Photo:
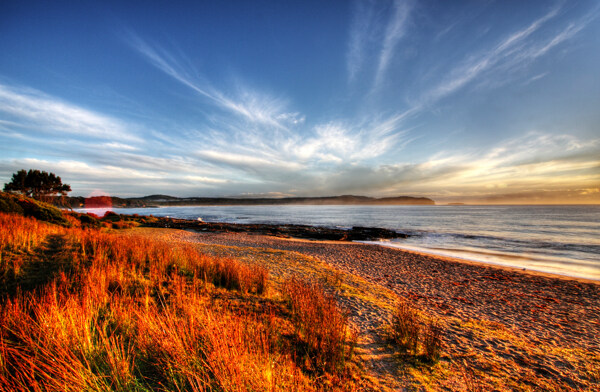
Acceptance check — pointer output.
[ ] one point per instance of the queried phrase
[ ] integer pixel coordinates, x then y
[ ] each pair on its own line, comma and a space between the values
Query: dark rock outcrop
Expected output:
289, 231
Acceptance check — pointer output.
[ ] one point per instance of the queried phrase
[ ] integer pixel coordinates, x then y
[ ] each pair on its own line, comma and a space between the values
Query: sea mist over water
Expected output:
555, 239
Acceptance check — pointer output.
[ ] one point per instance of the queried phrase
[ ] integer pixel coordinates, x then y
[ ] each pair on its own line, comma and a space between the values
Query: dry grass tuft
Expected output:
406, 327
320, 324
432, 341
414, 336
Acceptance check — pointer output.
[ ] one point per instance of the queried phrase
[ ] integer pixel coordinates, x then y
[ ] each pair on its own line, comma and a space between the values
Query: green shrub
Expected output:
26, 206
111, 216
9, 206
88, 220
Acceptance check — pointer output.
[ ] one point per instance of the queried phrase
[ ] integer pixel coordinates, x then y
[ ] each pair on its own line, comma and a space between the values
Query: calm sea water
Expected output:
557, 239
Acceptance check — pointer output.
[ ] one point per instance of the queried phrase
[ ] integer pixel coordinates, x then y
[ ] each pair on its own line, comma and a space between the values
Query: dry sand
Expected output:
509, 328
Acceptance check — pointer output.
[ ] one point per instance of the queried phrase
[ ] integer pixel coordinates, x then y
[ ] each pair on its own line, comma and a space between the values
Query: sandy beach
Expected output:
538, 330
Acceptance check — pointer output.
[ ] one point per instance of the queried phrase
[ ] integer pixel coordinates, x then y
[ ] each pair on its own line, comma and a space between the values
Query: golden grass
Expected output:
100, 311
320, 324
20, 234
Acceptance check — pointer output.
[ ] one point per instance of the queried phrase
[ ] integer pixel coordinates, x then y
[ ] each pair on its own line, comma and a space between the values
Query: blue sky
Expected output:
477, 101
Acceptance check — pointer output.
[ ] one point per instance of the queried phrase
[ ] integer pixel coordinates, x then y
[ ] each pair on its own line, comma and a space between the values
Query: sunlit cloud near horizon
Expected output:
475, 102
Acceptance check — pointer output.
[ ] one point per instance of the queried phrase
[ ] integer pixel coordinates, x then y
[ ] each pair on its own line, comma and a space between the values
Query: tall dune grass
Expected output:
57, 342
19, 234
96, 311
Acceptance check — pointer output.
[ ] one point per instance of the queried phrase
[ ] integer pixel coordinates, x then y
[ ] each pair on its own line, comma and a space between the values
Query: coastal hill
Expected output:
164, 200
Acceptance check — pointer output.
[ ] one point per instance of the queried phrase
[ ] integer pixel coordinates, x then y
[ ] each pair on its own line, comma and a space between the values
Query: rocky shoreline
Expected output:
356, 233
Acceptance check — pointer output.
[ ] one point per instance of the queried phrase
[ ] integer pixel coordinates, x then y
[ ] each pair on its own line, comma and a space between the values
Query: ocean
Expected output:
561, 240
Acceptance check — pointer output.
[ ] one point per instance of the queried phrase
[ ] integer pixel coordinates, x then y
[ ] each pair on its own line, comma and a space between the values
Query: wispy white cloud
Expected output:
246, 161
514, 52
368, 32
331, 142
395, 30
567, 33
360, 32
164, 61
328, 143
119, 146
80, 169
293, 118
253, 106
206, 180
536, 77
31, 110
519, 36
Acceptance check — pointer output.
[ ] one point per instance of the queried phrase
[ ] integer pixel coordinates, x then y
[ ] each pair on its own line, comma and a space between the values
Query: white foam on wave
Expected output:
551, 265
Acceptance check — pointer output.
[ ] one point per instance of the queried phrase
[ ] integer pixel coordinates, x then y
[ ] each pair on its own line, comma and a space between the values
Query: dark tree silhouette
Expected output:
40, 185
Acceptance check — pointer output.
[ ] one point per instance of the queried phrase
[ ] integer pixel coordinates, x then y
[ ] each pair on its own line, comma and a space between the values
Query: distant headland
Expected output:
164, 200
